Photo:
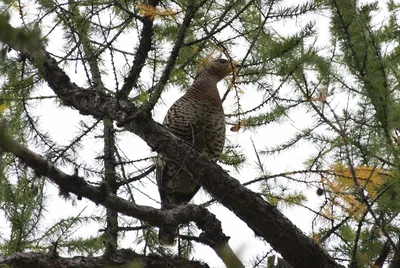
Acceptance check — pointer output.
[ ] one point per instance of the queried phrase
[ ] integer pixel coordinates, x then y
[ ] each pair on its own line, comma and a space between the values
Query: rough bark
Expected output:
140, 55
122, 258
212, 231
264, 219
283, 264
111, 232
395, 263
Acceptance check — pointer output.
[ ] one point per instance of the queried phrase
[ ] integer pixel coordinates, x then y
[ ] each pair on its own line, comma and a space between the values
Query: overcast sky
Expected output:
62, 124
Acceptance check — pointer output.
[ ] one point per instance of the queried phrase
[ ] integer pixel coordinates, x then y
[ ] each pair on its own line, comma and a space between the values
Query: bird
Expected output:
198, 119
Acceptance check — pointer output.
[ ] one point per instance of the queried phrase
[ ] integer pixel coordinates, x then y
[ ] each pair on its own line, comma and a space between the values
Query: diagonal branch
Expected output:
263, 218
380, 261
395, 262
141, 54
205, 220
158, 88
136, 178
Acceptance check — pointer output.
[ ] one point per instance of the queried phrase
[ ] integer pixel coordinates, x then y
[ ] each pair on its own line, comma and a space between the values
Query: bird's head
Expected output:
218, 68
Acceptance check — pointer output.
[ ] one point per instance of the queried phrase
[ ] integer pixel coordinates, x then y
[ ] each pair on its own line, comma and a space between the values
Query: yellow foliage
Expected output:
322, 96
208, 58
3, 106
238, 125
16, 6
317, 238
342, 186
152, 12
239, 90
327, 214
232, 82
203, 63
369, 178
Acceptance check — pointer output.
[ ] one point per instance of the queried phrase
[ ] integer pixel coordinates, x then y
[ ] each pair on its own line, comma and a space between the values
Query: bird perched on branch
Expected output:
197, 118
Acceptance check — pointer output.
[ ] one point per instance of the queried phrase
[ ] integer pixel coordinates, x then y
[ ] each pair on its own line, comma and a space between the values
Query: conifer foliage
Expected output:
82, 82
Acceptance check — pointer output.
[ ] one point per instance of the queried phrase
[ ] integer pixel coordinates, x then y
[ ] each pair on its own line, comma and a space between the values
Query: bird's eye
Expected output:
222, 61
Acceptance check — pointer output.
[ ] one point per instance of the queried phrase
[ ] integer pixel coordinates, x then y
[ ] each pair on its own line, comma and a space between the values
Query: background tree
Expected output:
115, 61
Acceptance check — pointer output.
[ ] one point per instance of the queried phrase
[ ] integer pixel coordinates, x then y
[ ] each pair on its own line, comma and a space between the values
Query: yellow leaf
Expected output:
16, 6
368, 177
203, 63
238, 125
322, 95
342, 184
317, 238
152, 12
3, 106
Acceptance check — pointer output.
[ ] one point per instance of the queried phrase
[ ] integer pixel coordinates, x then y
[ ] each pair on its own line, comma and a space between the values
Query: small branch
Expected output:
334, 229
286, 174
207, 222
396, 258
119, 163
354, 260
158, 88
136, 178
77, 185
216, 30
263, 218
140, 56
380, 261
126, 228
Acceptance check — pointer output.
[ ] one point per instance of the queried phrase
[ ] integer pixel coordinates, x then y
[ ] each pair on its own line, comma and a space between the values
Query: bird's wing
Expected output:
176, 185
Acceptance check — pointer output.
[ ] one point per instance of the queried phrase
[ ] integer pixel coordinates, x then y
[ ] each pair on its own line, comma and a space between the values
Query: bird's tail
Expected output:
167, 235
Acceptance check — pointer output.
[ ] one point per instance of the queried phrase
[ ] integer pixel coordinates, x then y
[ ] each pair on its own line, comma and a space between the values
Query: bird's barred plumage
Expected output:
197, 118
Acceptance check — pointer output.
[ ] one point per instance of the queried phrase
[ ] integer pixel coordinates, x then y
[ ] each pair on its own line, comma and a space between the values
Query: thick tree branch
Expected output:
122, 258
263, 218
206, 221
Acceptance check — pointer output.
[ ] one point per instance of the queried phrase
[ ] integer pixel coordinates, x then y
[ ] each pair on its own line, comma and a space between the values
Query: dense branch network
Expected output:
265, 220
262, 217
212, 235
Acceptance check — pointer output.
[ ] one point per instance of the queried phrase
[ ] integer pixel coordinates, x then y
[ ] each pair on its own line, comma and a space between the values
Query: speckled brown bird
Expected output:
197, 118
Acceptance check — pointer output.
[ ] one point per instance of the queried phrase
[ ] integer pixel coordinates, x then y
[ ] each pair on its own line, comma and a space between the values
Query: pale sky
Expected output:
62, 123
